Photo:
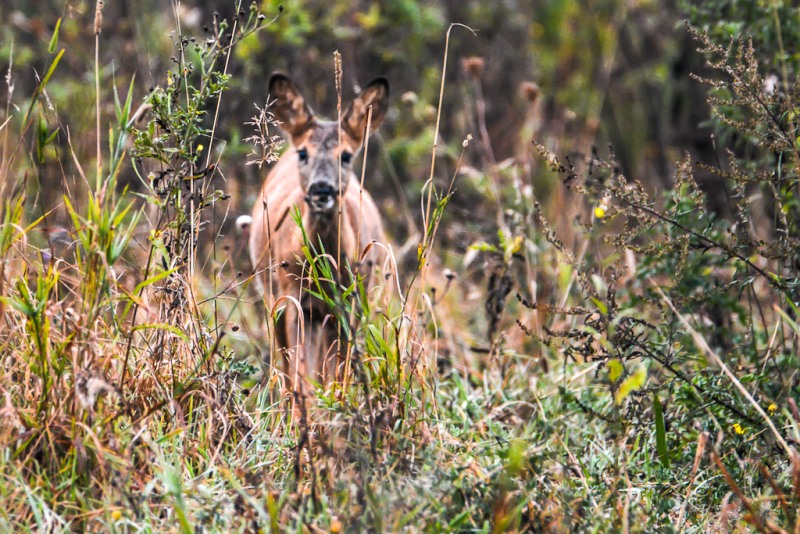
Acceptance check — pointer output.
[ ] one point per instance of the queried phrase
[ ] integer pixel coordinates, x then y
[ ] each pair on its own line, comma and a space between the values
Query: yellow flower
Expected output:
772, 408
600, 211
737, 428
116, 514
200, 148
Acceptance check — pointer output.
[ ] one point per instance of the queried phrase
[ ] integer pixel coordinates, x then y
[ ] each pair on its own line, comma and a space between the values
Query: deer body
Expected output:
342, 218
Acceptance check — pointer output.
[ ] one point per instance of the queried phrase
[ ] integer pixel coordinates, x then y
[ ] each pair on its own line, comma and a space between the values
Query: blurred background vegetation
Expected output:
609, 73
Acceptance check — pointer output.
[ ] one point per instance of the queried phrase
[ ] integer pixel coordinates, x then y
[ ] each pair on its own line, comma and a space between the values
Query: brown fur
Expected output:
310, 347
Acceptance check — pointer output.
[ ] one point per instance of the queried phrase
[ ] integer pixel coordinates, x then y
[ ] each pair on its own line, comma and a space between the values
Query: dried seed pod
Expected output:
473, 66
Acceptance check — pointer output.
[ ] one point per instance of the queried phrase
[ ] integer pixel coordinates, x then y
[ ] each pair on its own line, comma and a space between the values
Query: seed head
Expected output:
473, 66
337, 69
98, 17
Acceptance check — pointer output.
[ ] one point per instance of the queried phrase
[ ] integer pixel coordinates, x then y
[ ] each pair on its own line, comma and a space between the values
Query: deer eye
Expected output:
302, 153
347, 157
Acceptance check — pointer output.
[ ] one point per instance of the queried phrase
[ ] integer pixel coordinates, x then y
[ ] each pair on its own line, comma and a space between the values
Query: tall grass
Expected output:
644, 379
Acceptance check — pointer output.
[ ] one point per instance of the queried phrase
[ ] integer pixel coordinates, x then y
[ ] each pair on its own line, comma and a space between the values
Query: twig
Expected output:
710, 242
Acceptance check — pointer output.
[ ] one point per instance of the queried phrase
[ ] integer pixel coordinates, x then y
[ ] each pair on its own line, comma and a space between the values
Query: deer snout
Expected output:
321, 197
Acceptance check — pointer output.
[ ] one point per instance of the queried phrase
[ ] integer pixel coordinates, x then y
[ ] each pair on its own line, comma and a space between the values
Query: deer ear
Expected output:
375, 96
290, 107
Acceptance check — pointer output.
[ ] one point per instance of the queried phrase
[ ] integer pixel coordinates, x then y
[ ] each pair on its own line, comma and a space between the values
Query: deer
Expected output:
314, 176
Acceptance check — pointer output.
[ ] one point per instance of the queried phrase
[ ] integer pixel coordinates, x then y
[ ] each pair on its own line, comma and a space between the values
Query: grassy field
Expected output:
552, 346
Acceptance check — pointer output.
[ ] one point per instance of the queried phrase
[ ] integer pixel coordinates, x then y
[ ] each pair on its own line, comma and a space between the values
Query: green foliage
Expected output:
771, 24
732, 285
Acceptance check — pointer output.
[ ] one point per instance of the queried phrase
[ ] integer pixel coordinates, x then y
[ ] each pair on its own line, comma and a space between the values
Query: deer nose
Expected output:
321, 197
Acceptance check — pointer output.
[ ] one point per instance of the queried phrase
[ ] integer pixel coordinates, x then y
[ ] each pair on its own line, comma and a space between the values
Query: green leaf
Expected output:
513, 247
631, 384
76, 221
54, 39
791, 322
371, 19
43, 83
661, 433
163, 326
615, 370
564, 276
515, 461
483, 246
21, 307
119, 214
51, 137
153, 279
601, 307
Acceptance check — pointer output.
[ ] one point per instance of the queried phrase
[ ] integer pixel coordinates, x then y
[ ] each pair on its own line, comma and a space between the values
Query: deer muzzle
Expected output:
321, 198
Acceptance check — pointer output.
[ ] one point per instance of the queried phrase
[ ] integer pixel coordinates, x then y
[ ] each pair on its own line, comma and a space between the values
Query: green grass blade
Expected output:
54, 39
661, 433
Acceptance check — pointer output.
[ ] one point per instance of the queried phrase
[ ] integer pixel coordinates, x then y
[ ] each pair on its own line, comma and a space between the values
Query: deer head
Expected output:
317, 144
